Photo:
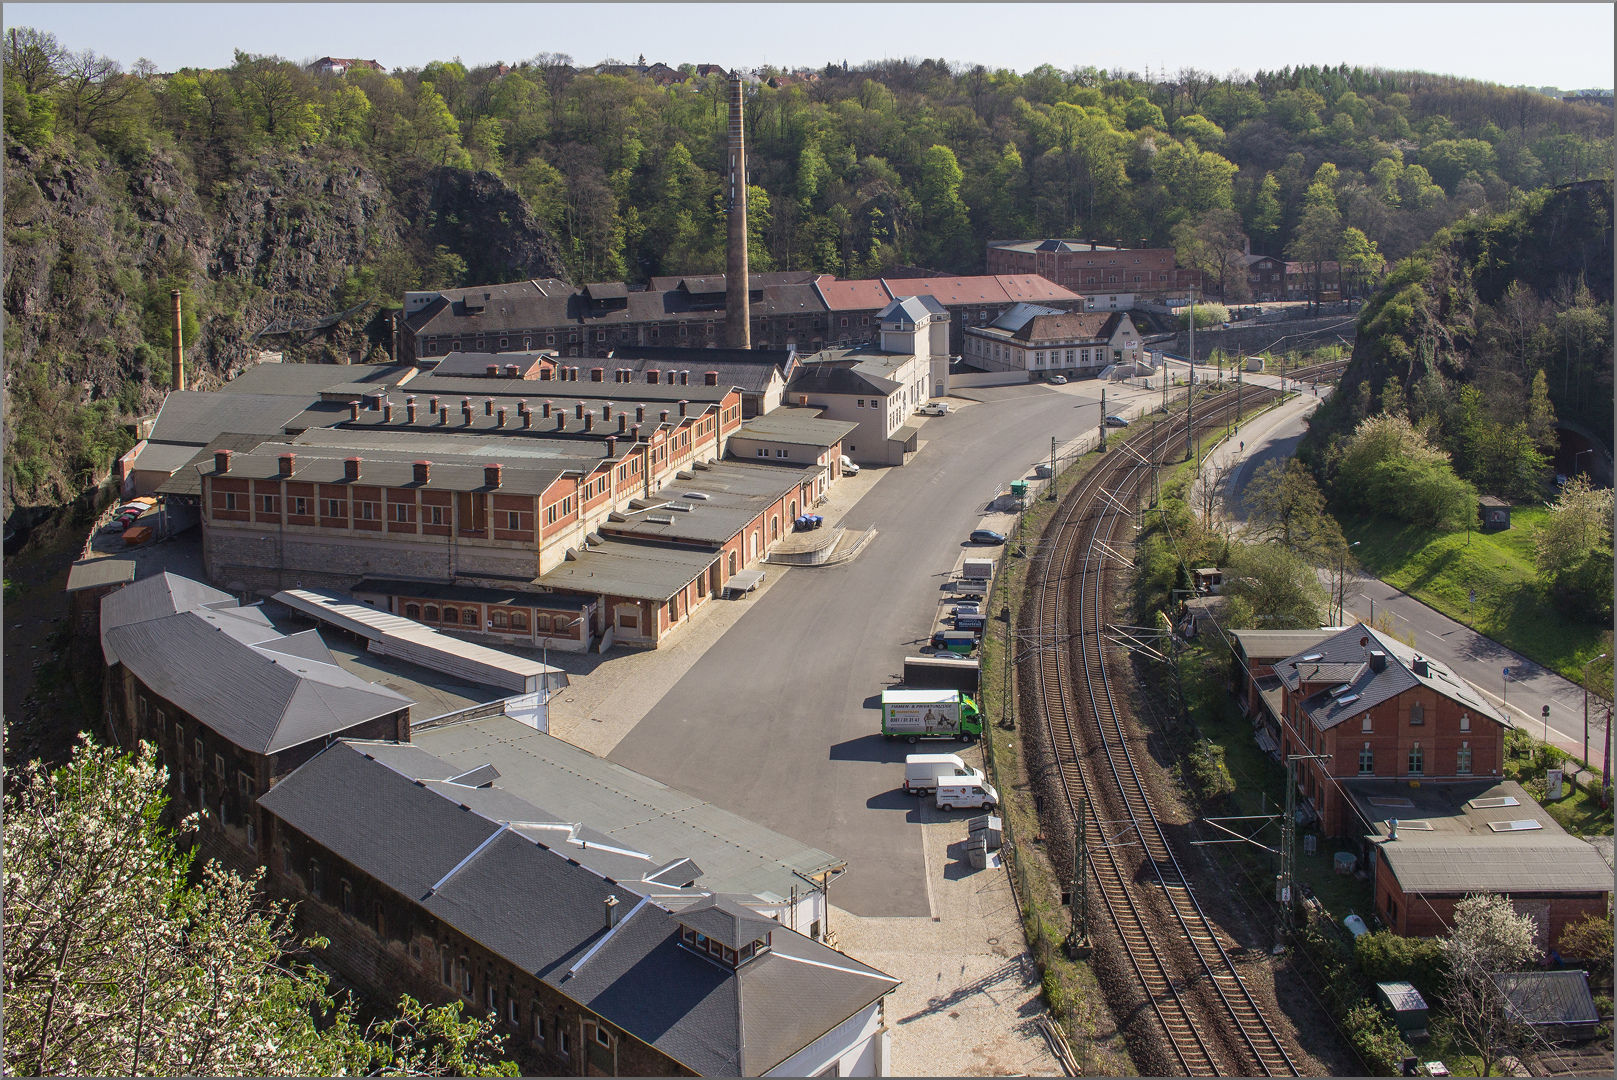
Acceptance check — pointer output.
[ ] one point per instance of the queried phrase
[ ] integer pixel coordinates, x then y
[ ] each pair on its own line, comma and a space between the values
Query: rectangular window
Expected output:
1462, 760
1364, 725
300, 506
219, 766
538, 1024
511, 1009
860, 404
1417, 760
316, 880
762, 452
468, 978
1465, 721
347, 898
1367, 761
230, 501
513, 520
446, 968
365, 511
403, 513
336, 508
780, 453
200, 757
561, 1041
269, 504
434, 515
550, 514
252, 837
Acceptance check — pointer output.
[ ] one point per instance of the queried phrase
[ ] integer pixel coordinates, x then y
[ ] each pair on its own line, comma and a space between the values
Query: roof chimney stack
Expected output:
589, 420
665, 416
387, 412
500, 417
423, 471
353, 409
640, 414
443, 415
1378, 660
221, 460
491, 475
710, 378
623, 421
409, 408
546, 412
578, 411
737, 313
683, 405
432, 405
286, 464
612, 446
597, 374
512, 371
611, 912
1422, 667
488, 406
493, 370
350, 468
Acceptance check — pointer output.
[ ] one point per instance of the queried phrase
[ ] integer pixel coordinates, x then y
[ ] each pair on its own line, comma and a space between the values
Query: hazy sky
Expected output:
1565, 45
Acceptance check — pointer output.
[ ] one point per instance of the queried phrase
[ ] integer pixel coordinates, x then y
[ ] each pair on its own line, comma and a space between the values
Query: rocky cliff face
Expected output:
93, 246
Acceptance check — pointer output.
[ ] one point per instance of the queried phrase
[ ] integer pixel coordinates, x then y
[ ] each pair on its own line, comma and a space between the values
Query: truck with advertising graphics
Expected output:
913, 715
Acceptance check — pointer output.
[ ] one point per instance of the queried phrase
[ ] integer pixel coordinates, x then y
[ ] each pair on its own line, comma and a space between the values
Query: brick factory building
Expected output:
1095, 267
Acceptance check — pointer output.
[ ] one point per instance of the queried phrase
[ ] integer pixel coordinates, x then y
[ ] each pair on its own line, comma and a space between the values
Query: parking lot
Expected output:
779, 719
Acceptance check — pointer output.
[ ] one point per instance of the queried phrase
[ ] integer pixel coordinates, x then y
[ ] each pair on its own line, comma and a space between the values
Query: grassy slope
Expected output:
1438, 569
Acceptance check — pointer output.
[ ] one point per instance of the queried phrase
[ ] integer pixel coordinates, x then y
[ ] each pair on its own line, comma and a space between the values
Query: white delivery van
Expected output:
966, 791
922, 772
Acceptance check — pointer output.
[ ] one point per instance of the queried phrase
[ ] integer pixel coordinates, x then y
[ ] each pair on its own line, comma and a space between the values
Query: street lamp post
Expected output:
1341, 583
1586, 668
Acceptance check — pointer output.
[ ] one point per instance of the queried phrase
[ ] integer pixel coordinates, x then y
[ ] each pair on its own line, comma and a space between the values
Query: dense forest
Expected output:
264, 191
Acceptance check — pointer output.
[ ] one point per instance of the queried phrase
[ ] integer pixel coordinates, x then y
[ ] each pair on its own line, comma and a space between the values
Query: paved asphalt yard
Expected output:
779, 720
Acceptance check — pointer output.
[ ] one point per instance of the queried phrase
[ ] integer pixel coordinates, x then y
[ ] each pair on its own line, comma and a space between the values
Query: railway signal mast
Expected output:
1288, 852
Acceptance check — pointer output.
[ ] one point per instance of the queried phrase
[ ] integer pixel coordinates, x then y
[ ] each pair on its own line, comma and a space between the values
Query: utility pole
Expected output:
1103, 419
1586, 667
1055, 482
1078, 939
1288, 852
1005, 697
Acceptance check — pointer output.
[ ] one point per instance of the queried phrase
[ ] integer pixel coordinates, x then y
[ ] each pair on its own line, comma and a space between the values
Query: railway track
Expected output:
1212, 1023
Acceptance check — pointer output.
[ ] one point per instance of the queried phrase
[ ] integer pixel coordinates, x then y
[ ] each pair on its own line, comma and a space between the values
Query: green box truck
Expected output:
913, 715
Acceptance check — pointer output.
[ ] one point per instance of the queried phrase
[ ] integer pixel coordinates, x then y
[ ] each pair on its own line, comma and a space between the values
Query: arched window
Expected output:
468, 616
451, 615
499, 620
431, 614
519, 620
1417, 714
541, 621
412, 611
774, 528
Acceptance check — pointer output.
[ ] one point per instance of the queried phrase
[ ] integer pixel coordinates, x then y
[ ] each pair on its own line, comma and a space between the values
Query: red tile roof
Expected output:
853, 295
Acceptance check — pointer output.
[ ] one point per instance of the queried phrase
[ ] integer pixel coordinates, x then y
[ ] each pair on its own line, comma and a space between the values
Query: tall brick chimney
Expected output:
178, 362
737, 315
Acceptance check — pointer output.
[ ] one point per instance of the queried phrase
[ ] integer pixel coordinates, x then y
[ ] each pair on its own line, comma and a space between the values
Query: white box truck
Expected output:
971, 792
929, 714
923, 771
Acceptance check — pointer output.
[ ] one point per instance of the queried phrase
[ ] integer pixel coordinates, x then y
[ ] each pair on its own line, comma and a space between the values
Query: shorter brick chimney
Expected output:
546, 412
684, 378
623, 421
561, 419
443, 415
611, 446
350, 468
710, 378
409, 408
432, 406
488, 406
589, 420
221, 460
578, 411
353, 409
597, 374
653, 375
491, 475
423, 472
287, 461
606, 411
634, 433
466, 414
387, 413
512, 371
500, 422
665, 416
683, 405
527, 418
493, 370
640, 414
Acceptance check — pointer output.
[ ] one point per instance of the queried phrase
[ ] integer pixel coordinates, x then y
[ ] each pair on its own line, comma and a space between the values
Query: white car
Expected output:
933, 408
1058, 380
848, 467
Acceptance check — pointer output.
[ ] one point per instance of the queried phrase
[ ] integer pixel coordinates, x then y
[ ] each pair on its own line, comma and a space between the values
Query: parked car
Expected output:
933, 408
848, 467
1042, 471
987, 536
1058, 380
1116, 421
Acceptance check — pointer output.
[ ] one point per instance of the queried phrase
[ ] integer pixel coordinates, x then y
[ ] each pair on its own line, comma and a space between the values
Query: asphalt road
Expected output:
779, 720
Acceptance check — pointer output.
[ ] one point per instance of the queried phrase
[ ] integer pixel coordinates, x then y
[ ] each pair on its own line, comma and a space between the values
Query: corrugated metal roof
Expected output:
1549, 997
163, 457
94, 573
308, 380
520, 476
472, 594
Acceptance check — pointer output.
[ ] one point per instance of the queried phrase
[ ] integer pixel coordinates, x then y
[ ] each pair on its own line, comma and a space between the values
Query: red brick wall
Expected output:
1414, 915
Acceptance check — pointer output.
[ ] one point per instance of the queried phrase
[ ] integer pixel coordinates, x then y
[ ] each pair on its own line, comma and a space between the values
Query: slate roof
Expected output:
326, 465
530, 894
476, 364
905, 313
187, 481
1086, 326
227, 667
726, 921
825, 378
194, 417
1341, 660
302, 380
1268, 645
1020, 315
734, 855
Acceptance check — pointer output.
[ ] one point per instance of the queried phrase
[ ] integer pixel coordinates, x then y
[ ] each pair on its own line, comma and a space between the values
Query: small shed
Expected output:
1556, 1004
1408, 1008
1495, 513
1208, 581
